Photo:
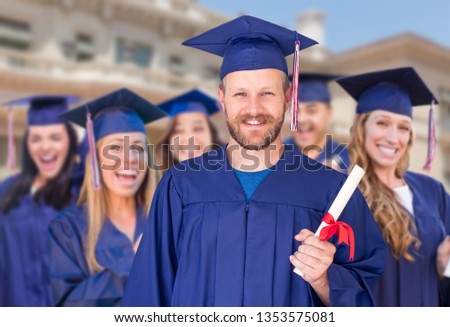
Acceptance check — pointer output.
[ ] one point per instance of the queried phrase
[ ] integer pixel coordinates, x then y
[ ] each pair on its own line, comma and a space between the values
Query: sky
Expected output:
351, 23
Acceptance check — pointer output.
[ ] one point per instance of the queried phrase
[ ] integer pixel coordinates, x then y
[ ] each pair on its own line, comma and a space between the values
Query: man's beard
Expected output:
267, 139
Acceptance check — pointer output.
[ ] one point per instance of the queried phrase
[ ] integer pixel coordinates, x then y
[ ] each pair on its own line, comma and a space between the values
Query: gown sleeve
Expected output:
72, 283
156, 261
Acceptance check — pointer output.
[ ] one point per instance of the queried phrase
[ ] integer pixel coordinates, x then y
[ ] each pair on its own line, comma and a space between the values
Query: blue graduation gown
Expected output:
332, 151
24, 251
72, 283
415, 284
203, 246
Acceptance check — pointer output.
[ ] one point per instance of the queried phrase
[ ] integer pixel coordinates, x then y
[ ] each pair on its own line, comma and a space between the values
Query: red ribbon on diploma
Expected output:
343, 231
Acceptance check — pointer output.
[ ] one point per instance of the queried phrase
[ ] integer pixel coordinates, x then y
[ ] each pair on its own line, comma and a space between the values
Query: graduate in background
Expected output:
227, 228
315, 114
190, 132
411, 210
31, 198
93, 244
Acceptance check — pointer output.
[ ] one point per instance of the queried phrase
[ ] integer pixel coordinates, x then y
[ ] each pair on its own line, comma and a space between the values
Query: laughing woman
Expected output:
30, 199
93, 244
412, 210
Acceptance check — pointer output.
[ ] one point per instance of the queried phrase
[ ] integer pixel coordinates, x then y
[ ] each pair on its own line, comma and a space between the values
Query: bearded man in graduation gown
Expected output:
229, 227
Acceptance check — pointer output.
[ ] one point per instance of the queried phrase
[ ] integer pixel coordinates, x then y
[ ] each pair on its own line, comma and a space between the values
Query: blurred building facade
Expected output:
91, 47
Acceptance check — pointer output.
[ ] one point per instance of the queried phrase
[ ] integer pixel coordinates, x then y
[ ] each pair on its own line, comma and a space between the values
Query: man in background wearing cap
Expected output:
315, 116
224, 228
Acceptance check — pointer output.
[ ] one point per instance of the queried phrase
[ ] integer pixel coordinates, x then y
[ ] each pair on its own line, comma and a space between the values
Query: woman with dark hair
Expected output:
190, 132
30, 199
412, 210
93, 243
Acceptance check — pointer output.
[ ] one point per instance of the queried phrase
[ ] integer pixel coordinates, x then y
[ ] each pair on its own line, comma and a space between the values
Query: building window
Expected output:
176, 65
133, 52
84, 47
15, 34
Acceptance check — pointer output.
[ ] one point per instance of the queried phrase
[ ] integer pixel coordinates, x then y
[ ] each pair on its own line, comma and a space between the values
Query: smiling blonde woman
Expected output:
411, 210
93, 244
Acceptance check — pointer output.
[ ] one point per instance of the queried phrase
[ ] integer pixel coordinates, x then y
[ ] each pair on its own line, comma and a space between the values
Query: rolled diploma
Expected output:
339, 203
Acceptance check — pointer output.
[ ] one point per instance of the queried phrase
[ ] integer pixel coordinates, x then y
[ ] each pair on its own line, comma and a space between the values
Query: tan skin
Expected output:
48, 146
122, 183
387, 136
260, 92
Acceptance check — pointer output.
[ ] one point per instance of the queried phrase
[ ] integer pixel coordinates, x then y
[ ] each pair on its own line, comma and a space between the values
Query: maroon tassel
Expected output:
11, 146
431, 139
294, 98
93, 153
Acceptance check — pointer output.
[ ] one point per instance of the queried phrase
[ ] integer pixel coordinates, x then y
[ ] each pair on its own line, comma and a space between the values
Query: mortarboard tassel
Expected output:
93, 152
11, 146
294, 97
431, 139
